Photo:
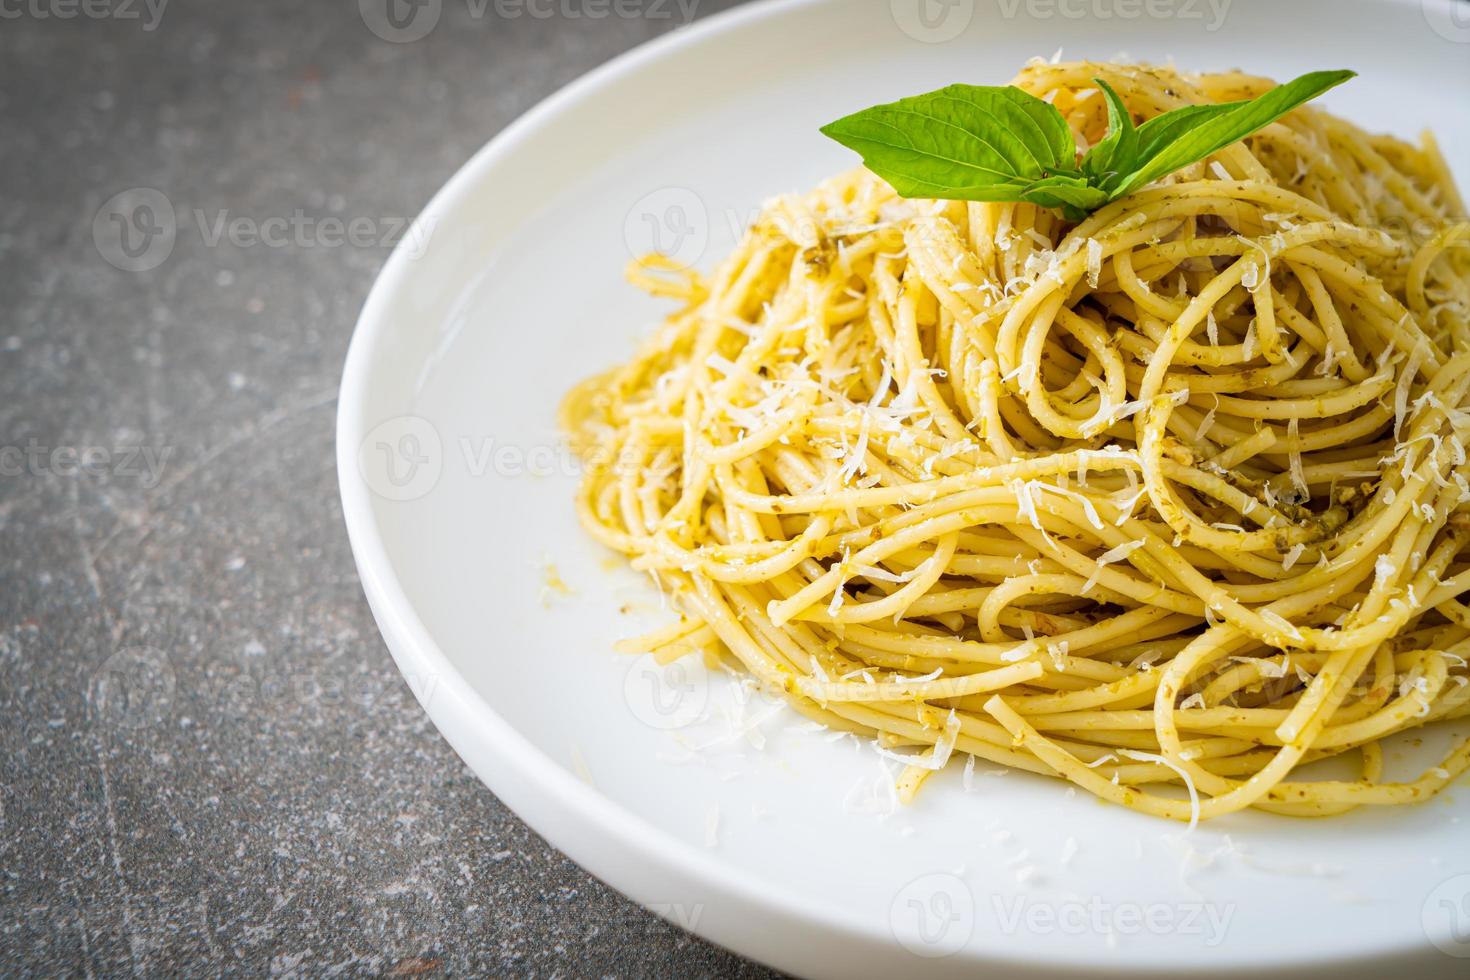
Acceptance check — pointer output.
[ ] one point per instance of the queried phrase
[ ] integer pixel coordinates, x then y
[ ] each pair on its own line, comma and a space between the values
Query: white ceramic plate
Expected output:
767, 839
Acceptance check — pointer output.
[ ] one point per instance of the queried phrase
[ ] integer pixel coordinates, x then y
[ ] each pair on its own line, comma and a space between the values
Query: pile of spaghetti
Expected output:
1168, 503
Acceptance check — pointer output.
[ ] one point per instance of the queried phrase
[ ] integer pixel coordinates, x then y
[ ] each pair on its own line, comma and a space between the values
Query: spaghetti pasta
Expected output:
1174, 496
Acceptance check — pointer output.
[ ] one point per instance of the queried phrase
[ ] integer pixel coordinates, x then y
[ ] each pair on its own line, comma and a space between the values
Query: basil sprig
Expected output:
998, 143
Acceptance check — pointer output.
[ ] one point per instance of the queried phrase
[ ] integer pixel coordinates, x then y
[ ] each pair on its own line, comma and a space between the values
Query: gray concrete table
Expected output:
208, 762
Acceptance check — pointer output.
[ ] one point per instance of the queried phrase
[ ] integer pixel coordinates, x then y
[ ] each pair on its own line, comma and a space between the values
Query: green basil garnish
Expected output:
998, 143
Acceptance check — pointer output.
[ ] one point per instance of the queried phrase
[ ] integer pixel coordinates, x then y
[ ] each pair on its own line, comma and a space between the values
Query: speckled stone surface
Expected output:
208, 762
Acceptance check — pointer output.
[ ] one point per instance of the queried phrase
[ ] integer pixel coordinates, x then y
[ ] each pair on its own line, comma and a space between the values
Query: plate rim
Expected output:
528, 780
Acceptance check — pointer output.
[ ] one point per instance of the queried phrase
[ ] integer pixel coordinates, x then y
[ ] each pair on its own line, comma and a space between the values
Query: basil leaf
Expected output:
989, 143
1116, 154
1161, 130
961, 142
1152, 136
1074, 194
1185, 139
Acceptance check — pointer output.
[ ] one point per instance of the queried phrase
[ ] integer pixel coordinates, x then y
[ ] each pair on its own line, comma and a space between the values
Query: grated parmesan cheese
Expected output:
1094, 262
